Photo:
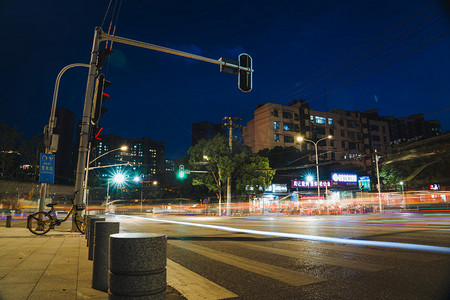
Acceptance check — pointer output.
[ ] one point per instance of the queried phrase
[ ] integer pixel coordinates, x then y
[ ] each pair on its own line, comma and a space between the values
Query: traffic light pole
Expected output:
100, 36
86, 121
48, 132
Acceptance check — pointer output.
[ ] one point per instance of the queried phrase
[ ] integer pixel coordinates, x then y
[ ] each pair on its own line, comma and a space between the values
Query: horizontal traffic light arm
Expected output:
106, 37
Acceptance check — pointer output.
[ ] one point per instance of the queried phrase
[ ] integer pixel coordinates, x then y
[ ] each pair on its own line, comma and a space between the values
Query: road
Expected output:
286, 257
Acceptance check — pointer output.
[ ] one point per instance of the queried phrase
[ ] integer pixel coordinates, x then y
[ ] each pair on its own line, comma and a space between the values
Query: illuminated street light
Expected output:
86, 173
301, 139
403, 193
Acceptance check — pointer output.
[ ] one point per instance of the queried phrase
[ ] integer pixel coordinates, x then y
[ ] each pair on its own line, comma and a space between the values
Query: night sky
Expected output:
293, 44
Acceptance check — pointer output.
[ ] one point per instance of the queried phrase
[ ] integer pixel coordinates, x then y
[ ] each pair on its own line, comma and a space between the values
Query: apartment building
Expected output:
355, 135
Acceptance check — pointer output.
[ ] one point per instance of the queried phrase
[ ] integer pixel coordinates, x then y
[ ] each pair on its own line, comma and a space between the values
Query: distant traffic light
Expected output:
181, 172
99, 97
245, 77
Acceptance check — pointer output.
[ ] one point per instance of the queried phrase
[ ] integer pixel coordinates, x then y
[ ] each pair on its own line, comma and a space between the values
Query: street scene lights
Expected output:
301, 139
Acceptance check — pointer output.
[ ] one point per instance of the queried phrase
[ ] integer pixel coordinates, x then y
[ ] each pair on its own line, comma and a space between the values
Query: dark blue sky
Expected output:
160, 95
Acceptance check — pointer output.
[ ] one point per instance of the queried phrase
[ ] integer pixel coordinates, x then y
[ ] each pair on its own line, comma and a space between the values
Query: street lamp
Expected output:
137, 179
118, 178
403, 193
301, 139
86, 172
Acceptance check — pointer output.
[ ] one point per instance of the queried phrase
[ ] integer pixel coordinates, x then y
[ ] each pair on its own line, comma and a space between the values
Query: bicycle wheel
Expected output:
39, 223
79, 222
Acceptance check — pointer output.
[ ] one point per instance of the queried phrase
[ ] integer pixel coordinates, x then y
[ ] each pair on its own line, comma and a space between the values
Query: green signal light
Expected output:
181, 174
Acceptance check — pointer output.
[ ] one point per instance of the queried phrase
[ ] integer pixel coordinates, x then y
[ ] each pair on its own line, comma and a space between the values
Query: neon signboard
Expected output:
344, 179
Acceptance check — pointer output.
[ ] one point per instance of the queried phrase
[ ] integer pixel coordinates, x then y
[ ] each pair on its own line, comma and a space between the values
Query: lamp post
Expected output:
86, 172
137, 179
119, 178
301, 139
379, 185
403, 193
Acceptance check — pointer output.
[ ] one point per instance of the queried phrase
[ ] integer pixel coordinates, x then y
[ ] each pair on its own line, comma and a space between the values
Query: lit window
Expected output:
276, 137
330, 121
276, 125
288, 126
311, 118
320, 120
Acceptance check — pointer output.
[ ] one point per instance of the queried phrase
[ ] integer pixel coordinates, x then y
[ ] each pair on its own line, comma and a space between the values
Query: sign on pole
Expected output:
47, 168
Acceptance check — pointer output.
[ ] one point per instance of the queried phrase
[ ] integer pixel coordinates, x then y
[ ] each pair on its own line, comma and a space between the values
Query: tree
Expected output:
250, 172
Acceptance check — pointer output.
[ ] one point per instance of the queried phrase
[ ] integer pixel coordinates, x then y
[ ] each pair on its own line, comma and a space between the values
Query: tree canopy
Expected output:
250, 172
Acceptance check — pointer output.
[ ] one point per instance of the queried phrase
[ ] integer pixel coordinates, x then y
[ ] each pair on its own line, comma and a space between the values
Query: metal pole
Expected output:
317, 170
51, 125
86, 121
230, 143
379, 185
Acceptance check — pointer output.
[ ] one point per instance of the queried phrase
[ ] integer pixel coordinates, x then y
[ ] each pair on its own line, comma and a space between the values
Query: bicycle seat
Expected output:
51, 204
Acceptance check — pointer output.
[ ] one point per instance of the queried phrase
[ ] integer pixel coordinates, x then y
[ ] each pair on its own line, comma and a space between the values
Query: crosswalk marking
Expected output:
193, 286
321, 259
287, 276
367, 251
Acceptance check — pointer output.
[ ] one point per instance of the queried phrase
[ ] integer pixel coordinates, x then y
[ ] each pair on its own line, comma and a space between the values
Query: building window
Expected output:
352, 146
351, 124
287, 115
288, 139
384, 139
276, 137
342, 133
320, 131
384, 129
320, 120
374, 128
330, 121
275, 112
332, 143
341, 122
288, 126
375, 138
333, 156
331, 131
296, 117
276, 125
311, 118
343, 144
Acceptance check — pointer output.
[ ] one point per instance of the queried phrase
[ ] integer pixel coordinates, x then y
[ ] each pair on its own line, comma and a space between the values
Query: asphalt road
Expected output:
285, 257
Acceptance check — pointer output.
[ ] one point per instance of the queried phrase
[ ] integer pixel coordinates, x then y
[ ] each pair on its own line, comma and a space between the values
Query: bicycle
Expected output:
41, 222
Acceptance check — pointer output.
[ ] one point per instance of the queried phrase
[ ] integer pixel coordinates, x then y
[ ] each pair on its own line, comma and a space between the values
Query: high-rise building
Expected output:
64, 168
206, 130
143, 155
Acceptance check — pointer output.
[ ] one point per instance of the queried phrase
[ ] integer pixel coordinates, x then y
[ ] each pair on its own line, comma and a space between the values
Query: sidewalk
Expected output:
52, 266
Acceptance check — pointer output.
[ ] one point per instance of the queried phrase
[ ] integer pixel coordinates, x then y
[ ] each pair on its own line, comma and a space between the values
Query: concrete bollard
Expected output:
137, 266
101, 253
8, 221
92, 221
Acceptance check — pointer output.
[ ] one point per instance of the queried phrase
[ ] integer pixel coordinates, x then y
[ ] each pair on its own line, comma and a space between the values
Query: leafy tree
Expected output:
250, 172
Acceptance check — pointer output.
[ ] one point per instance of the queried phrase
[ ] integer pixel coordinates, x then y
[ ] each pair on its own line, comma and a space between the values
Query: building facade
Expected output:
355, 135
143, 155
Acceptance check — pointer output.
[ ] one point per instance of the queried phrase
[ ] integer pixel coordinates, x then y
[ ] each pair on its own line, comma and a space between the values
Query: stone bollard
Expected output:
92, 221
8, 221
137, 266
101, 253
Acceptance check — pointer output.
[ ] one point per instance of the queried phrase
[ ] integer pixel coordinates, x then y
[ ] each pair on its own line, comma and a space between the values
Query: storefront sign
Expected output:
310, 184
342, 179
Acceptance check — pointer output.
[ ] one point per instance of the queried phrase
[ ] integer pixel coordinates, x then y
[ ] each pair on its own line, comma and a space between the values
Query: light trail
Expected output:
407, 246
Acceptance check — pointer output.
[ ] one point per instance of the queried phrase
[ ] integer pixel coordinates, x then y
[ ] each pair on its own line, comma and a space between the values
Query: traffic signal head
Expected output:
102, 56
181, 173
245, 77
99, 97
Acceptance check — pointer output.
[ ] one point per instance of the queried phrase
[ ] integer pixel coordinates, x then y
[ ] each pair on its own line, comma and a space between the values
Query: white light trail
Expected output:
407, 246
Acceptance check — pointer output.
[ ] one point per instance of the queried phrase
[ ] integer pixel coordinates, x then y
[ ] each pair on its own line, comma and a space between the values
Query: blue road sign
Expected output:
47, 168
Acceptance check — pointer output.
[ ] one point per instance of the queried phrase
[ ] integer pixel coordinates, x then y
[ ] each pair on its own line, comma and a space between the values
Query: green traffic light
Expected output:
181, 174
